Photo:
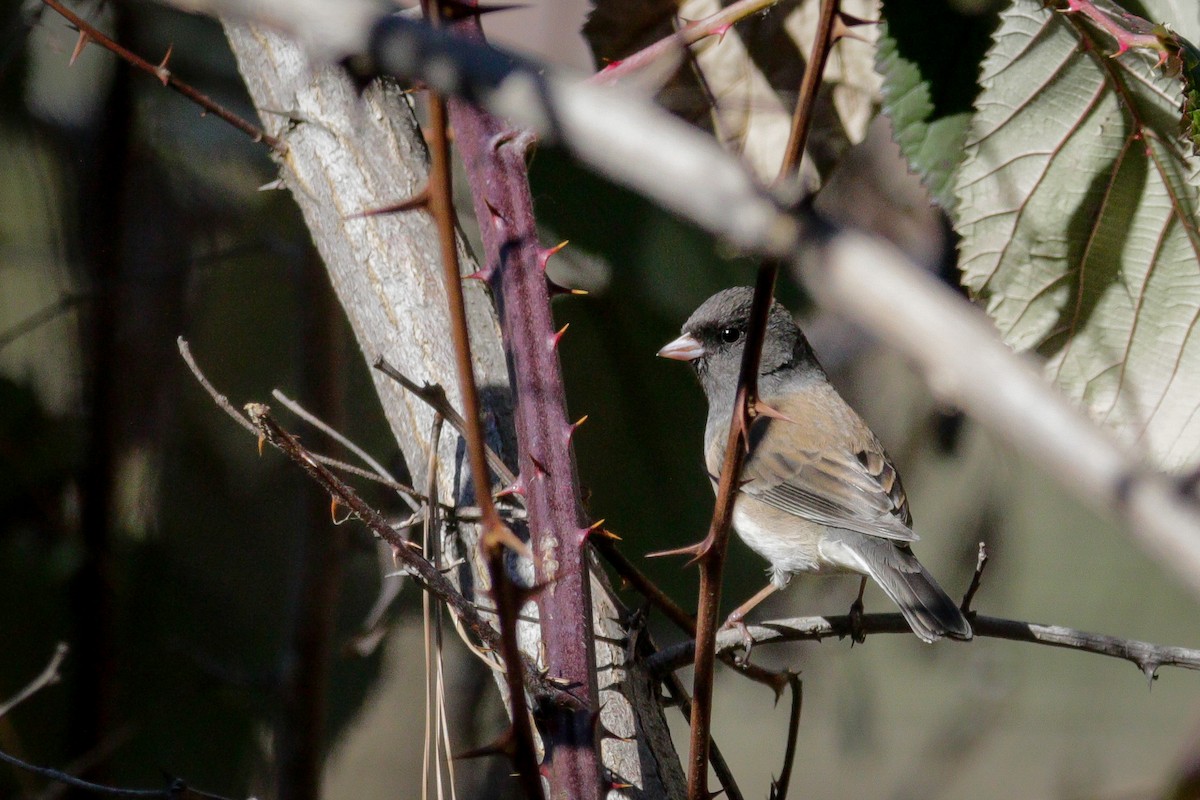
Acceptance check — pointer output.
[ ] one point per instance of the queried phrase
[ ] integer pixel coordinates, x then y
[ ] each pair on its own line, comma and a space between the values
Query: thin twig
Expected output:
779, 786
89, 33
1148, 657
223, 403
175, 790
981, 561
382, 474
40, 317
813, 71
434, 396
427, 576
429, 534
47, 677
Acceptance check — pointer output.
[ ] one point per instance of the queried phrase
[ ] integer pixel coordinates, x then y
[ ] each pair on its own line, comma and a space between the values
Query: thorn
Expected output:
762, 409
696, 551
454, 10
526, 593
501, 139
498, 220
271, 186
851, 21
556, 289
544, 254
518, 488
557, 337
504, 745
484, 275
80, 43
161, 71
262, 437
721, 30
620, 786
502, 536
574, 427
333, 507
418, 200
584, 533
539, 471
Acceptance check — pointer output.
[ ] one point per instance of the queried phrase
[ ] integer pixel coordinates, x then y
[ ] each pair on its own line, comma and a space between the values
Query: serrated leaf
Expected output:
1077, 204
929, 88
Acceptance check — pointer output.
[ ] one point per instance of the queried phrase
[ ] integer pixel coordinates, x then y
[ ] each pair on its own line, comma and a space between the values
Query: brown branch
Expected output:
711, 552
981, 561
802, 116
779, 786
426, 575
496, 536
89, 33
1146, 656
679, 695
47, 677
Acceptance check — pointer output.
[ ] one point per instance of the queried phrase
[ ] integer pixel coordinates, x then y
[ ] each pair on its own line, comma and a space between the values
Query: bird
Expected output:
818, 492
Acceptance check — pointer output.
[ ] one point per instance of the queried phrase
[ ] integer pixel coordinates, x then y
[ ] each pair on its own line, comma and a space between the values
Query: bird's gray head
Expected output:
714, 338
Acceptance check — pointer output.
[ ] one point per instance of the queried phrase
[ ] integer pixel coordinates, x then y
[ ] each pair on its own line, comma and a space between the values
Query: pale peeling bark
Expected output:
348, 154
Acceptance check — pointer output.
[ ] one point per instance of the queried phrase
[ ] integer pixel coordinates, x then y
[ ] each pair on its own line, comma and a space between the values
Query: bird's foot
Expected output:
734, 622
857, 633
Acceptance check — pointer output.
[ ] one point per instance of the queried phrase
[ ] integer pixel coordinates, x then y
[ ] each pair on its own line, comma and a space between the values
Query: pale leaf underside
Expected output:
1077, 207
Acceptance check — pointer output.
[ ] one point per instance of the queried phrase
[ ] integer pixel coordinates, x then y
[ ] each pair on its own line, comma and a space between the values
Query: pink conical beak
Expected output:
685, 348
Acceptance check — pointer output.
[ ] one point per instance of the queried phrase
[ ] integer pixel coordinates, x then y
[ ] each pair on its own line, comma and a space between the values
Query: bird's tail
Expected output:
928, 609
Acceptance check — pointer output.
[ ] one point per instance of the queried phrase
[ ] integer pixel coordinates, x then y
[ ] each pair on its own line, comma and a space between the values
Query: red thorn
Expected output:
620, 786
539, 471
545, 253
498, 220
80, 43
557, 337
161, 71
333, 506
501, 139
721, 30
261, 439
484, 275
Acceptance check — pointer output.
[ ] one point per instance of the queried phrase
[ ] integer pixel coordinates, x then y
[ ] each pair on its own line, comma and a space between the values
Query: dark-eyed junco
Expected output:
819, 494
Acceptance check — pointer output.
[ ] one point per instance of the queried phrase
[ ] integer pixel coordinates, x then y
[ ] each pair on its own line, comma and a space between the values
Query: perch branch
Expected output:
1146, 656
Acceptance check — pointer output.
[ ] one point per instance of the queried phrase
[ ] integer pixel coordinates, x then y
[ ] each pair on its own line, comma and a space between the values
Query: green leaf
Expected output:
929, 56
1077, 204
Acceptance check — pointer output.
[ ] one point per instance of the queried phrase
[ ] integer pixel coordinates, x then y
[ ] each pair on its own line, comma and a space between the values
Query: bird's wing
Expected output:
835, 474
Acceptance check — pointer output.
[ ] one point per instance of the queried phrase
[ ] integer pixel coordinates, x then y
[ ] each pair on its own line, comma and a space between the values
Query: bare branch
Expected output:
47, 677
176, 789
89, 33
1146, 656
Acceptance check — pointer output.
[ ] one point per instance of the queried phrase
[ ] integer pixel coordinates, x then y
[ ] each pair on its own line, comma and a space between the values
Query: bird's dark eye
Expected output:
730, 335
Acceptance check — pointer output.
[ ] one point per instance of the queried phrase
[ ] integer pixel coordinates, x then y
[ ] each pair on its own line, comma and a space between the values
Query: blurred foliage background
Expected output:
142, 528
